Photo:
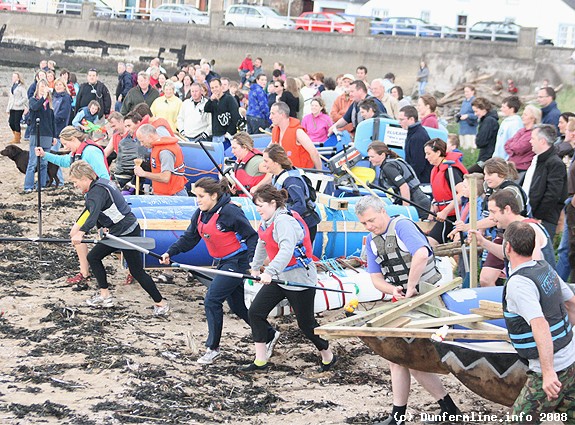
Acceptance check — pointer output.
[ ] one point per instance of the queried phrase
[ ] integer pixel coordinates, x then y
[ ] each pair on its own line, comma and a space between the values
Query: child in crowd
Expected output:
86, 117
453, 145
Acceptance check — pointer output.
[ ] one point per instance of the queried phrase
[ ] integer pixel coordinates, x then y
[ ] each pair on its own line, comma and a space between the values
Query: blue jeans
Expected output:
46, 144
224, 288
255, 123
221, 139
563, 268
421, 89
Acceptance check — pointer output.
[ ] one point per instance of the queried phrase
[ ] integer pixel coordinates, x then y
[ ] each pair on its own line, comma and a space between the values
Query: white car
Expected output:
181, 13
240, 15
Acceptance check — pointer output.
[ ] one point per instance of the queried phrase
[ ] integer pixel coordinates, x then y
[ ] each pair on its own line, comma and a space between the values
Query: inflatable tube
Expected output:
462, 300
339, 233
198, 164
389, 132
439, 133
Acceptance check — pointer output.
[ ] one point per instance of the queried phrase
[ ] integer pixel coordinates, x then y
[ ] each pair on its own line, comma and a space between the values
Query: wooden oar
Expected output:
138, 162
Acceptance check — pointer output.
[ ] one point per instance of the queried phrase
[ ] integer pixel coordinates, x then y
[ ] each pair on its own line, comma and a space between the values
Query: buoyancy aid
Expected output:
278, 183
395, 263
221, 245
177, 179
296, 153
303, 251
547, 282
441, 189
241, 174
78, 154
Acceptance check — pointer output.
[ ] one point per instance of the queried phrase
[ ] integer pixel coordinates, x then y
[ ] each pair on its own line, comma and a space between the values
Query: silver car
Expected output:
240, 15
181, 13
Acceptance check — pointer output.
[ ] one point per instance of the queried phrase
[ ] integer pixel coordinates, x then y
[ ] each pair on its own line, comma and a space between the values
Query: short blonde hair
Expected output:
70, 132
535, 112
244, 140
80, 169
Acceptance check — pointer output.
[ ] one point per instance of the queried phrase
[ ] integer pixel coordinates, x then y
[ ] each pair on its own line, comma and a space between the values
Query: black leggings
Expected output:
135, 264
14, 120
300, 301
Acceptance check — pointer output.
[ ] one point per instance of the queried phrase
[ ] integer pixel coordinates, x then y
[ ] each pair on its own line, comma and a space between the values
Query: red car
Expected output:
13, 5
323, 22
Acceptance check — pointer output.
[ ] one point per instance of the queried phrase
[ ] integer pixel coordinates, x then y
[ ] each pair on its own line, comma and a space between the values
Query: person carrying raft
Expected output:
285, 240
398, 258
249, 169
286, 176
107, 208
397, 175
231, 241
539, 311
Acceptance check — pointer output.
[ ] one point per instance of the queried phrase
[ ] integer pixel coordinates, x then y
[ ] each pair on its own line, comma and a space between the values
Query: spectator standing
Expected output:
246, 69
426, 106
519, 146
545, 181
288, 93
224, 110
329, 94
391, 104
343, 102
17, 105
486, 133
389, 81
142, 93
317, 123
168, 106
124, 85
551, 113
258, 108
422, 78
193, 121
397, 93
510, 125
467, 119
94, 89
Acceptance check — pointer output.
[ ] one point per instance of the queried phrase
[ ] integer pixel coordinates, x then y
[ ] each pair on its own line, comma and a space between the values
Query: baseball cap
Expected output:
348, 77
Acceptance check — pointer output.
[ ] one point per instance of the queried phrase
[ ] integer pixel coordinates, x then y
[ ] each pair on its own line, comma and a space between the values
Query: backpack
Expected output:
311, 190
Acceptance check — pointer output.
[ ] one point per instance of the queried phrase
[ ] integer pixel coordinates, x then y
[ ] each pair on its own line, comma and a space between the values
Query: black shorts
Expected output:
440, 231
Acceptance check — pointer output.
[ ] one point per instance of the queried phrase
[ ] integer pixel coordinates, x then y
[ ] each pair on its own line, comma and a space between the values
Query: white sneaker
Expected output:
162, 311
99, 301
209, 357
270, 345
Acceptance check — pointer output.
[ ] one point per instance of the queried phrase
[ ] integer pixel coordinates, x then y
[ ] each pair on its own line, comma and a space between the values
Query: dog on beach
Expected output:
20, 157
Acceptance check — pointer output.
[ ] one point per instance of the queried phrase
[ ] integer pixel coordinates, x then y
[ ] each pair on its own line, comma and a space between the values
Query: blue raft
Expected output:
165, 219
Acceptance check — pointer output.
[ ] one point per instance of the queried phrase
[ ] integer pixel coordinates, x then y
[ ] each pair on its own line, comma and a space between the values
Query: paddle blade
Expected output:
142, 242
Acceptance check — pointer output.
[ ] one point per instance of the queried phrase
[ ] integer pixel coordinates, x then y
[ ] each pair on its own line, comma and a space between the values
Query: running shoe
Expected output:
209, 357
99, 301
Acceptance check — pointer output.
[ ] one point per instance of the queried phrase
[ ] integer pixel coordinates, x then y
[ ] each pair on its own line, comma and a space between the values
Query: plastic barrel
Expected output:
462, 300
198, 164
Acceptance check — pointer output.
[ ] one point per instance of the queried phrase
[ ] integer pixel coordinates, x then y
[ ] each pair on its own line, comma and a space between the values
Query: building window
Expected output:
565, 35
379, 13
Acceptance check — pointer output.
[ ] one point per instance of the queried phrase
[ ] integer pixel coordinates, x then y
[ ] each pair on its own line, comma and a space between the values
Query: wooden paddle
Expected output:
138, 162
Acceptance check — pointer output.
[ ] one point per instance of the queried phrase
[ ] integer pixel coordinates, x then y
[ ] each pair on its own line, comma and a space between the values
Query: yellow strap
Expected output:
83, 217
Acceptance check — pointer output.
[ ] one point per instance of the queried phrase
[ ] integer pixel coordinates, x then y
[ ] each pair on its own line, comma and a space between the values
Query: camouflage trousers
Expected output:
532, 405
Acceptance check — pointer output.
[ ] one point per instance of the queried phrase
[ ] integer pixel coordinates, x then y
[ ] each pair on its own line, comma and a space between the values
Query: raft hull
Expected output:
491, 370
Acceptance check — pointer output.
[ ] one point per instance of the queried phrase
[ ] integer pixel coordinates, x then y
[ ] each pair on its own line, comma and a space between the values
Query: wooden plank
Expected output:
491, 305
332, 202
415, 301
472, 180
409, 333
443, 312
159, 224
487, 313
400, 322
449, 321
364, 316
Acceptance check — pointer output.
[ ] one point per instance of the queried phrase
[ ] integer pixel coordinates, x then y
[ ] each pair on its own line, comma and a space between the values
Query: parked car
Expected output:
405, 26
500, 31
74, 7
324, 22
13, 5
240, 15
182, 13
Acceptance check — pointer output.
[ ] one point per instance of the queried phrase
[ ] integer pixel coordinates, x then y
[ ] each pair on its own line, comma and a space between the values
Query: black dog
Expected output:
20, 157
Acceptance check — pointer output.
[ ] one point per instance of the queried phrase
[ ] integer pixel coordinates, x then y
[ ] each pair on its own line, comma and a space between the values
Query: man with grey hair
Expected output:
545, 181
290, 135
398, 258
193, 120
142, 93
390, 102
166, 162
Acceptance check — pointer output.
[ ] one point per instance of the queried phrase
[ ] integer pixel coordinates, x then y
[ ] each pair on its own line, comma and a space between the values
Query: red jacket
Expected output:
296, 153
441, 189
221, 245
243, 177
177, 179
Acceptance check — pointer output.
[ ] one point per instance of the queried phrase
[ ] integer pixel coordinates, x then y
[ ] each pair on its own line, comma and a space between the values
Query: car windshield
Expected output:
268, 11
337, 18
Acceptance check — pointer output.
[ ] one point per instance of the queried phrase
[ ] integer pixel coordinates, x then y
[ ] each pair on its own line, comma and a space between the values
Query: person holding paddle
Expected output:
107, 208
231, 241
285, 240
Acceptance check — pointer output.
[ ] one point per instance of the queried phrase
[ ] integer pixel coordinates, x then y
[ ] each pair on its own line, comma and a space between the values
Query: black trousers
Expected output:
14, 120
135, 264
302, 304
